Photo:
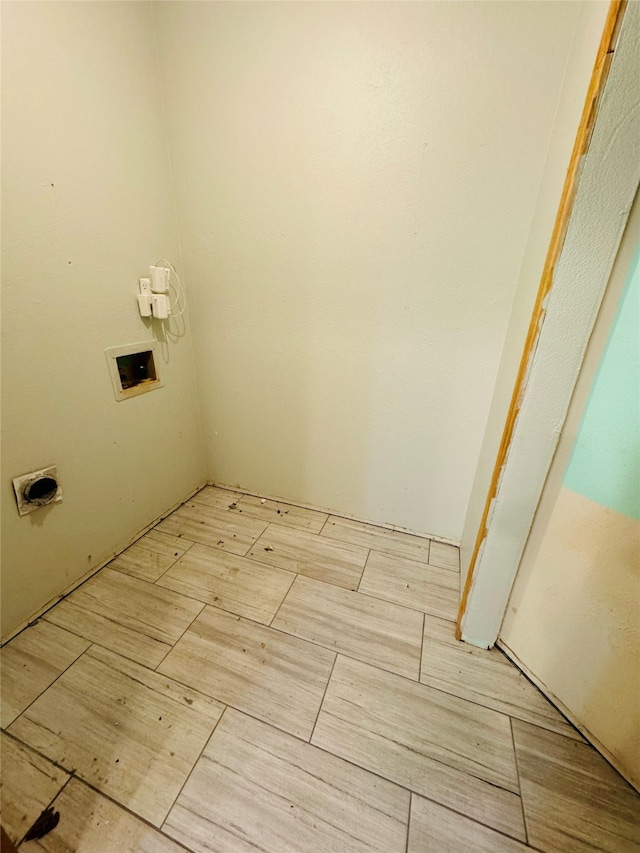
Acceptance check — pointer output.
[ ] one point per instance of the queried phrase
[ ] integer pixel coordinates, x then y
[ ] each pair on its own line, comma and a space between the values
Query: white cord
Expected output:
179, 291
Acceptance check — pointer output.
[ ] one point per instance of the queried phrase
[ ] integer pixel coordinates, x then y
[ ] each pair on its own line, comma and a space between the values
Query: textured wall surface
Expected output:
576, 82
355, 186
86, 207
609, 180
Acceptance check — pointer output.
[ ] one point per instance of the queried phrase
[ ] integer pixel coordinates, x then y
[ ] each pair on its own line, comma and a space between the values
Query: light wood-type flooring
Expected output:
255, 676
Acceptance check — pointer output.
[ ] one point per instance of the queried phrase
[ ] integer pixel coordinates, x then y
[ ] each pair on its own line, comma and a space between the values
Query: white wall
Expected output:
355, 186
578, 73
572, 618
86, 207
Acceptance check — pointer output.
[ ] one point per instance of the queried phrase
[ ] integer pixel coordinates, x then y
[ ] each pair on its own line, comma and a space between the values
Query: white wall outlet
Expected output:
37, 489
144, 297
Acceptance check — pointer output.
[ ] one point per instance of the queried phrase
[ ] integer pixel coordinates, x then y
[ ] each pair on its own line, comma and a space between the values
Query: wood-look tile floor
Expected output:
252, 675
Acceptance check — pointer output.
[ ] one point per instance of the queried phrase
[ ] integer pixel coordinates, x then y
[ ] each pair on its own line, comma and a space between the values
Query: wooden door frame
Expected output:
598, 173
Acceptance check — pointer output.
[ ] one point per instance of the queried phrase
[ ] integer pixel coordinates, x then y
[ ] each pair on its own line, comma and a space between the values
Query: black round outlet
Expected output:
40, 491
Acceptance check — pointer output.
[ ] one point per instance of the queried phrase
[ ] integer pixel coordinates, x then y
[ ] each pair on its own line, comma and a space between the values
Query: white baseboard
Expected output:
340, 514
91, 572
